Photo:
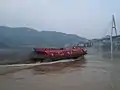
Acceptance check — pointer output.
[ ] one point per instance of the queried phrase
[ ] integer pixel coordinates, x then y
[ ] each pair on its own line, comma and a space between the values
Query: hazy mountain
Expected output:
27, 37
3, 45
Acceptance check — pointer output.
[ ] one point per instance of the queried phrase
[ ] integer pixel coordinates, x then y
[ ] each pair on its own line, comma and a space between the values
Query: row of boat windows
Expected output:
65, 52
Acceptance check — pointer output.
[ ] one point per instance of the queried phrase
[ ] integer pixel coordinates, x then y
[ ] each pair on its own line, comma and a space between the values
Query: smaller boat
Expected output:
54, 54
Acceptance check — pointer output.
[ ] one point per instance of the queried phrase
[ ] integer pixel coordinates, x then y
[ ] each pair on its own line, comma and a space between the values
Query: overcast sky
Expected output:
87, 18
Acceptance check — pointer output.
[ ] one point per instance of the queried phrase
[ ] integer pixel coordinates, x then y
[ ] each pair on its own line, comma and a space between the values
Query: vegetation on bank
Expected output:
27, 37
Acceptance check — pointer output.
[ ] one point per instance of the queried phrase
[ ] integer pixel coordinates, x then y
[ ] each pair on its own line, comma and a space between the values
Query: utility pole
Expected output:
111, 39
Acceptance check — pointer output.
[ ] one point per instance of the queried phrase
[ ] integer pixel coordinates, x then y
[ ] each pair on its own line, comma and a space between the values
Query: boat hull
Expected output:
36, 57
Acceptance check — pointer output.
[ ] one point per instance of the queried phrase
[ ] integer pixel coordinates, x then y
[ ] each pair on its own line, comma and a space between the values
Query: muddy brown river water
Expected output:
92, 73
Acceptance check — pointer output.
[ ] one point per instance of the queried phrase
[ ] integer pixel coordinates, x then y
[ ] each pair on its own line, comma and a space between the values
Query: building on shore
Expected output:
105, 43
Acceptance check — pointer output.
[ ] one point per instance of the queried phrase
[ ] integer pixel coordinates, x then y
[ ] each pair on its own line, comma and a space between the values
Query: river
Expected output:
94, 72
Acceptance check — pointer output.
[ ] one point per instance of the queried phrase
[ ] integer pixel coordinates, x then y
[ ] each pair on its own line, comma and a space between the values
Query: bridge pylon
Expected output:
113, 26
